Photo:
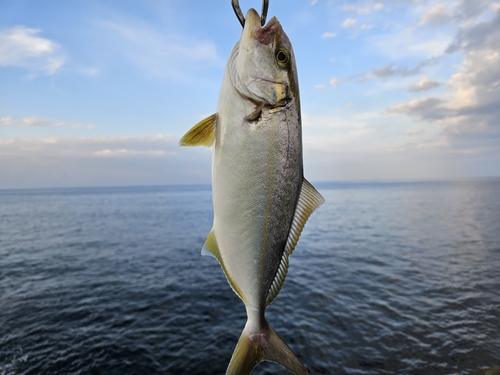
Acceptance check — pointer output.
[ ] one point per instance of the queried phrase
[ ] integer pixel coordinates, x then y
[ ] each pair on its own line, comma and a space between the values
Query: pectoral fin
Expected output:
309, 200
202, 134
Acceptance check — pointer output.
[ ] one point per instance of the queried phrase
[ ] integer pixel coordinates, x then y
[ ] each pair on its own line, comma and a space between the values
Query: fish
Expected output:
261, 199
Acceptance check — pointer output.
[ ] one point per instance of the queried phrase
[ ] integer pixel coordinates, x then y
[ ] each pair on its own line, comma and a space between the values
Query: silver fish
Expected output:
261, 199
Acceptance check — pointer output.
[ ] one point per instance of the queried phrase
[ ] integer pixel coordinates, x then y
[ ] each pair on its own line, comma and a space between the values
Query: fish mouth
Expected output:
264, 35
283, 103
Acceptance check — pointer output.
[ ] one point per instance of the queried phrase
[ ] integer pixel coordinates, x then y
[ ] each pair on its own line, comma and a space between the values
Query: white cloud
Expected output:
423, 85
476, 88
165, 55
88, 147
468, 11
422, 108
91, 72
362, 10
436, 16
123, 152
334, 82
394, 70
98, 161
356, 8
27, 121
22, 47
363, 146
484, 35
414, 131
323, 131
408, 43
422, 143
353, 147
384, 71
348, 22
472, 104
328, 35
42, 122
320, 86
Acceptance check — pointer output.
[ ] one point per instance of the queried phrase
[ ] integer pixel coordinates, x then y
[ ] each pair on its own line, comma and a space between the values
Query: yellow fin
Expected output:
202, 134
265, 345
309, 200
211, 248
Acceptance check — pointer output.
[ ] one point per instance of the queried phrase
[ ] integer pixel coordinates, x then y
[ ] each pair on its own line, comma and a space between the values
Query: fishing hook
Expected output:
241, 18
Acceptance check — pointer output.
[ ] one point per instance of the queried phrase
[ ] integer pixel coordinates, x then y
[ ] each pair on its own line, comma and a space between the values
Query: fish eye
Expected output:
282, 58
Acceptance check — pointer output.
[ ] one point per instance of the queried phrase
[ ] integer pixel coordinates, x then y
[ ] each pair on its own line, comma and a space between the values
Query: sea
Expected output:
387, 278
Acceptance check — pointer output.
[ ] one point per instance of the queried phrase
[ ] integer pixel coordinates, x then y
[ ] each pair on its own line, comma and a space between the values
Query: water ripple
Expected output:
386, 279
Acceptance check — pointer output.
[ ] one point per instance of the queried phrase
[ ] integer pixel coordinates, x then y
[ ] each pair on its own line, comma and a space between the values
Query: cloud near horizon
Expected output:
41, 122
98, 161
451, 130
389, 90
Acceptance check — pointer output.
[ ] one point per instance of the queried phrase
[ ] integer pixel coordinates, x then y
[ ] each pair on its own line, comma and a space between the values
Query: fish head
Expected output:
265, 64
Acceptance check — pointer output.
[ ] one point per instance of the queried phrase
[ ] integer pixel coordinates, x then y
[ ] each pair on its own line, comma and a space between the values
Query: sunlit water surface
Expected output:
388, 278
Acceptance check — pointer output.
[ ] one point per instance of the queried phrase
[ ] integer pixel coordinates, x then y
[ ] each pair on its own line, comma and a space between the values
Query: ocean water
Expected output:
387, 278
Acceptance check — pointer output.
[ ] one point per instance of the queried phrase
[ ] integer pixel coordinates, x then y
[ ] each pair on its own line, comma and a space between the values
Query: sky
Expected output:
98, 93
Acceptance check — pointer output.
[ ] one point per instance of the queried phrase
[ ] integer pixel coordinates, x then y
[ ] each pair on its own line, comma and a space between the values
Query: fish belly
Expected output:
257, 173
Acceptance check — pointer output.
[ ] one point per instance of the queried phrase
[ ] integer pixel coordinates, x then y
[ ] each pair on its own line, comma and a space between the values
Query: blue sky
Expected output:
96, 93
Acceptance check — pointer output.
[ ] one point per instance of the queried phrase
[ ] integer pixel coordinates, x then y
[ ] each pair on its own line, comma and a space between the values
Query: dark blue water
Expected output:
388, 278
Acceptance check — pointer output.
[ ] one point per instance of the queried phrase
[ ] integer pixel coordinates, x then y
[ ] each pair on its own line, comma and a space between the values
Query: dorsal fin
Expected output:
202, 134
309, 200
211, 248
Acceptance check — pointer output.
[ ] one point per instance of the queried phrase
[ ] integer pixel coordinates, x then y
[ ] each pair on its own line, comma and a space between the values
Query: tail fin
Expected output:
266, 345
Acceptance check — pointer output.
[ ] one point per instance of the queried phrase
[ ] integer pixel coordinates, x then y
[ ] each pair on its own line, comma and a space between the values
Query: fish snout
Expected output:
252, 23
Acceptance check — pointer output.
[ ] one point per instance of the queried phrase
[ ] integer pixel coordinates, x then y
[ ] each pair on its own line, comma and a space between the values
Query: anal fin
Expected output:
212, 248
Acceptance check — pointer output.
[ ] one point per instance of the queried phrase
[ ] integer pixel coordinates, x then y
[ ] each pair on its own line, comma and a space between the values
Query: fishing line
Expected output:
241, 18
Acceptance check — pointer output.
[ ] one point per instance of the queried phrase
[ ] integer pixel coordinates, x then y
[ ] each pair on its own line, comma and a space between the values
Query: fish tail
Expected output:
265, 345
